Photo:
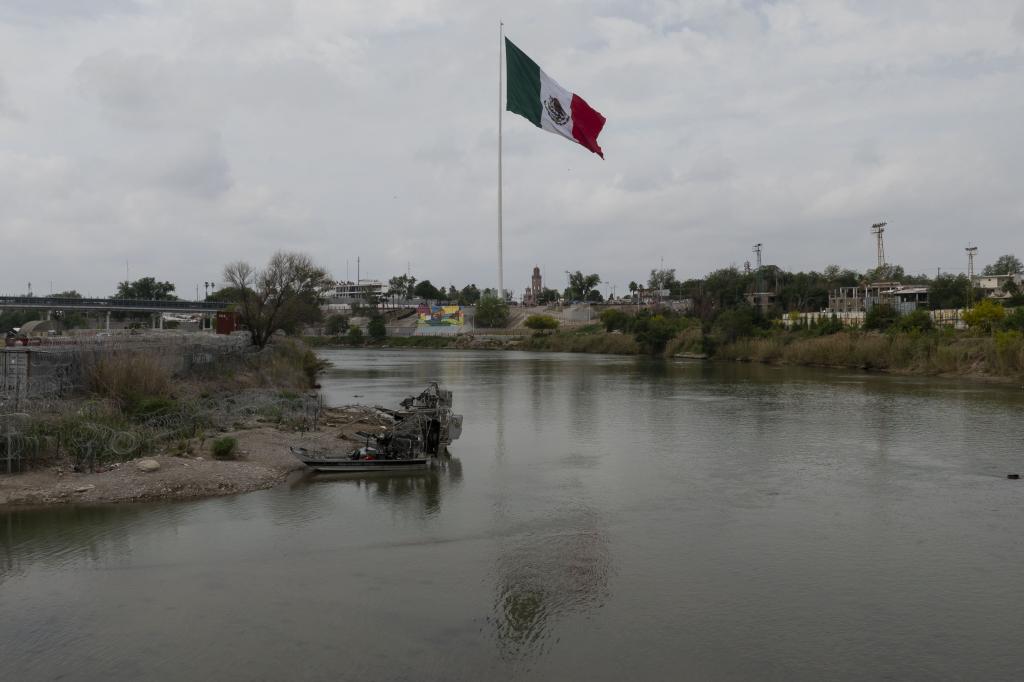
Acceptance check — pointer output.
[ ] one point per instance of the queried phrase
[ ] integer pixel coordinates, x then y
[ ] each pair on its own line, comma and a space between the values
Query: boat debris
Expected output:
410, 437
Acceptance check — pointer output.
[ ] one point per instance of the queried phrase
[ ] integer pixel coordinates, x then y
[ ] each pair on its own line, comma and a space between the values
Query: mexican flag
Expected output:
531, 93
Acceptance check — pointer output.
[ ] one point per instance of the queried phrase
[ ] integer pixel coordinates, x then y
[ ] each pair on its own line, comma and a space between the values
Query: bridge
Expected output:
115, 305
119, 305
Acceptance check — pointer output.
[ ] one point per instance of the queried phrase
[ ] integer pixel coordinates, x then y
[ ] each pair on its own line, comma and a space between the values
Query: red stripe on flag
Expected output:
586, 124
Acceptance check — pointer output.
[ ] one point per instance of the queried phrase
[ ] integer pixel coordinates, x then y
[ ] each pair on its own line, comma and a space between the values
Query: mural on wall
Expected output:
440, 315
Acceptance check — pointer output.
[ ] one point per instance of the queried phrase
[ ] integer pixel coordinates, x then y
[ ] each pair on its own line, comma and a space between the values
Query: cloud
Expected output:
7, 106
369, 129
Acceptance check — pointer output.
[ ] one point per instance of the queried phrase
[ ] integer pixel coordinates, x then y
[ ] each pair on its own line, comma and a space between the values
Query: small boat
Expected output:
358, 461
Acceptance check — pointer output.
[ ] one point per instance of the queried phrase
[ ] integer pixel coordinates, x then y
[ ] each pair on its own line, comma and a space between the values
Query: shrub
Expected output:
491, 312
1014, 320
918, 320
378, 330
355, 335
880, 317
985, 315
541, 322
336, 324
224, 447
653, 333
614, 320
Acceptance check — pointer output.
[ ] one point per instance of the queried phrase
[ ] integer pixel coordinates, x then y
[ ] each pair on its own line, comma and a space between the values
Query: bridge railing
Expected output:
115, 304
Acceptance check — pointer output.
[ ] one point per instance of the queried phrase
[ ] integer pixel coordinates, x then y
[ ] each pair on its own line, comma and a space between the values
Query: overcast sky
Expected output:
179, 135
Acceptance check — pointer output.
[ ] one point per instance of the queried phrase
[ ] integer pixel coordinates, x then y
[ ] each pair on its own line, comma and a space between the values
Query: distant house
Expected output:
993, 285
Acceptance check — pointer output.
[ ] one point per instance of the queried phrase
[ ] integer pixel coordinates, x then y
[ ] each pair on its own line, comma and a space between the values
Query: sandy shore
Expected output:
263, 460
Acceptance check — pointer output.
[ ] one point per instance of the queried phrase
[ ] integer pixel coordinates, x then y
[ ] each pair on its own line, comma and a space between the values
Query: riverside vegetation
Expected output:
992, 345
130, 405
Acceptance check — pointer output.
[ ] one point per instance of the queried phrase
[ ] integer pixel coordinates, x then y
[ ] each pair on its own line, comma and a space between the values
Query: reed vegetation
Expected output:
936, 352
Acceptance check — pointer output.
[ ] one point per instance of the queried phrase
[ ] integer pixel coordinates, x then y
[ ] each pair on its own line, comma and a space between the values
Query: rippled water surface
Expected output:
601, 518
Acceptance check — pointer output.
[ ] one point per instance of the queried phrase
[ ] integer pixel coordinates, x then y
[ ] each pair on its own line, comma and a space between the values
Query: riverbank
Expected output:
188, 469
135, 430
946, 353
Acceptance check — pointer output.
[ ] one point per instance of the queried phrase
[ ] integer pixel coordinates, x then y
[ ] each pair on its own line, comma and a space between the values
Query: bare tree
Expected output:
286, 293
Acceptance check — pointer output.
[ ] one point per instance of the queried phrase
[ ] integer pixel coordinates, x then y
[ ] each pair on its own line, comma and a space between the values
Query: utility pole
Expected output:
878, 229
971, 251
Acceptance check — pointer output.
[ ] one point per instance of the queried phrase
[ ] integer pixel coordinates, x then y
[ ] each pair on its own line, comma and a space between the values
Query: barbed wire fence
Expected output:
38, 416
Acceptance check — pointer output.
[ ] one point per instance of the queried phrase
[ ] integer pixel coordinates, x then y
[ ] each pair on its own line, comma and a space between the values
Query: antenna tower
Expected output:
878, 229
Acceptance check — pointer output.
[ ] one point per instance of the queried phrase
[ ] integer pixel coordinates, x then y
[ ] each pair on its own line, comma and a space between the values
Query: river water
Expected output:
602, 518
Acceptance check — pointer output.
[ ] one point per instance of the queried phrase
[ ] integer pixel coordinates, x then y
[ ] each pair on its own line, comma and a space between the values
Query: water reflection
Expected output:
420, 493
64, 536
551, 568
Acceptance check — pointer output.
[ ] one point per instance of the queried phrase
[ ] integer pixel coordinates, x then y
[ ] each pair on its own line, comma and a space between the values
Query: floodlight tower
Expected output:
878, 229
757, 252
971, 251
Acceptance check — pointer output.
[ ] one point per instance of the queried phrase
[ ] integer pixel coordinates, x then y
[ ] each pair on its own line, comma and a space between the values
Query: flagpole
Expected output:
501, 283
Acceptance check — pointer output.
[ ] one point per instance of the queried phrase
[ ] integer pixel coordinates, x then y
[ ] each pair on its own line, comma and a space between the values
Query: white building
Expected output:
365, 289
993, 285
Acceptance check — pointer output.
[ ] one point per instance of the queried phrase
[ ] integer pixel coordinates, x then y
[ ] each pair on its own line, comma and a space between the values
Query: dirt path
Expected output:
263, 460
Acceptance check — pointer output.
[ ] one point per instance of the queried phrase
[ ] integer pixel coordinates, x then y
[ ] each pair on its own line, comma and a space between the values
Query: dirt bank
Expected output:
263, 460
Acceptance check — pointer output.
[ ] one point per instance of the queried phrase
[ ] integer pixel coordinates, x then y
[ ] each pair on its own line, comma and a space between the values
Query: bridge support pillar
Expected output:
108, 321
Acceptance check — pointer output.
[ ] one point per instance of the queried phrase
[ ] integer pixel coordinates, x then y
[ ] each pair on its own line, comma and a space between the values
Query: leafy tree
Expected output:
336, 324
491, 312
948, 291
633, 288
547, 296
880, 317
541, 322
1007, 264
653, 332
733, 324
469, 295
886, 273
581, 285
286, 293
377, 329
397, 288
663, 279
146, 288
594, 296
427, 291
355, 335
71, 293
985, 315
726, 287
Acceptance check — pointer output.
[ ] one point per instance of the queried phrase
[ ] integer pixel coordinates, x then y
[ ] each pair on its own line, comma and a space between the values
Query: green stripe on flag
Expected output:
522, 94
